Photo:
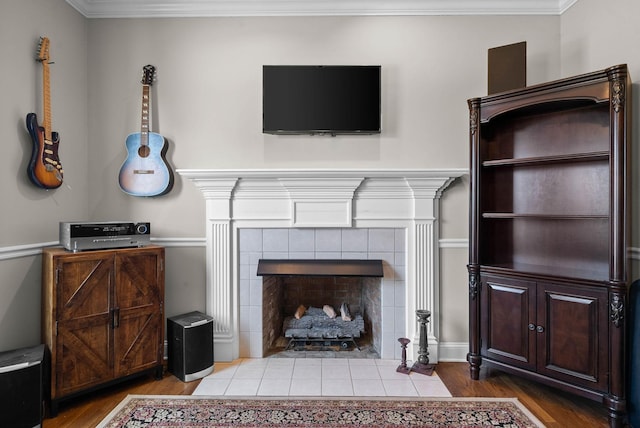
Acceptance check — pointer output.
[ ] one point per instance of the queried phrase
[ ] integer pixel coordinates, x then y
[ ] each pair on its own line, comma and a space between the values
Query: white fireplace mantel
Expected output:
321, 198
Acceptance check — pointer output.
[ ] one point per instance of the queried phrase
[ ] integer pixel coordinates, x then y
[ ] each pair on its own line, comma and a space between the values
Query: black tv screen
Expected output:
321, 99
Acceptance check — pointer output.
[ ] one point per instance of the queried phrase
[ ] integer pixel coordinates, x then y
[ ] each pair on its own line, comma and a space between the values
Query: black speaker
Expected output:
22, 381
190, 350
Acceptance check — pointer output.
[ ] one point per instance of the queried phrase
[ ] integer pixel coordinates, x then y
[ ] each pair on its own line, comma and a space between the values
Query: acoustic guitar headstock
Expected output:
148, 75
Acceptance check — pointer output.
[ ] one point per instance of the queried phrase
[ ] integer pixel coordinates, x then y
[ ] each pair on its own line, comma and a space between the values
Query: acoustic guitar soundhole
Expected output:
144, 151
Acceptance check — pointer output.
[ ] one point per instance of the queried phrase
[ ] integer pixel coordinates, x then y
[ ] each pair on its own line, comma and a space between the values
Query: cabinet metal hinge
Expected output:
115, 318
474, 285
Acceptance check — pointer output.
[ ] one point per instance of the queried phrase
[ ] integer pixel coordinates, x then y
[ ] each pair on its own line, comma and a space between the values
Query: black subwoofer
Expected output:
190, 352
23, 375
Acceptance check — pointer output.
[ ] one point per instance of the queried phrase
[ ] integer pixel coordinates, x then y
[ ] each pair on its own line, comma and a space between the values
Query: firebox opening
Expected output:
304, 311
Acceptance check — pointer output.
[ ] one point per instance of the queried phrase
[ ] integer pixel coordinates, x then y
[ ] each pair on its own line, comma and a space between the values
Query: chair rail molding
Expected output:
35, 249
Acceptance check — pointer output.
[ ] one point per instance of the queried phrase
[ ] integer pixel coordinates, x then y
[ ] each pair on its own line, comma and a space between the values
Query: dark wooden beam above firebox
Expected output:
322, 267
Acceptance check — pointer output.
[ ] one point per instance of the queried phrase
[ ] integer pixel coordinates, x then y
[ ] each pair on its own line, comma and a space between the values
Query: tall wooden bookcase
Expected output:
549, 230
102, 316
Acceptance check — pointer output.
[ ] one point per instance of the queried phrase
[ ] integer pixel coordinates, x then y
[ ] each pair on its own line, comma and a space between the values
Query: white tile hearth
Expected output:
318, 377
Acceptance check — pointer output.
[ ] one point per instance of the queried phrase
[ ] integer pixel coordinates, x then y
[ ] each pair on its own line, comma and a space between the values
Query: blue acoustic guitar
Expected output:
146, 172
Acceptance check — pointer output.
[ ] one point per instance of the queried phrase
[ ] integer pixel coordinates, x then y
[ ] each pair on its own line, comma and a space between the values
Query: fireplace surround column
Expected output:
220, 293
427, 193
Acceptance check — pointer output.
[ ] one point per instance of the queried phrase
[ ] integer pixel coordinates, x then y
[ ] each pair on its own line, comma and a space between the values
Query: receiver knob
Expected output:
141, 228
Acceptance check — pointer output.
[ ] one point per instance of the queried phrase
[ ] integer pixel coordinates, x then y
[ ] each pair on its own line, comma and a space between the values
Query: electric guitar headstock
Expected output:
43, 50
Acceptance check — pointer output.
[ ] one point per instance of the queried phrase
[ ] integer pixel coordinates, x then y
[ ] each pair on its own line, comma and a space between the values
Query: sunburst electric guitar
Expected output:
45, 169
146, 172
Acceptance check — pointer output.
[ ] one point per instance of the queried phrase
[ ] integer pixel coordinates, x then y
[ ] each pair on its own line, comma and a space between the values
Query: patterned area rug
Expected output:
191, 411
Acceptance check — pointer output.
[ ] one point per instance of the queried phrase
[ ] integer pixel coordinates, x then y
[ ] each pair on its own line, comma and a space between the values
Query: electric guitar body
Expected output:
145, 171
44, 168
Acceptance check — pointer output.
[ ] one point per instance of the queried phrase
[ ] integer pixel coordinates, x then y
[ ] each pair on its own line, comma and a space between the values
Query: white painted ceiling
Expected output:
209, 8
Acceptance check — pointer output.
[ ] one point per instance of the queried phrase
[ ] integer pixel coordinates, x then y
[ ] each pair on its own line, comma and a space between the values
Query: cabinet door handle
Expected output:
540, 329
115, 317
532, 327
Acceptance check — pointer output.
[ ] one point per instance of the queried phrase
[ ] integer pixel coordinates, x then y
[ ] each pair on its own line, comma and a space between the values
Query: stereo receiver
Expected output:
83, 236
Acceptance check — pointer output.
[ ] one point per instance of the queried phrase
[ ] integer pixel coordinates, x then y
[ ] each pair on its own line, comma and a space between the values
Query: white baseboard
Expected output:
453, 351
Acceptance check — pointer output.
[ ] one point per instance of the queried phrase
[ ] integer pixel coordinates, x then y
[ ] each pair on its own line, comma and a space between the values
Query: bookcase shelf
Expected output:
544, 160
545, 216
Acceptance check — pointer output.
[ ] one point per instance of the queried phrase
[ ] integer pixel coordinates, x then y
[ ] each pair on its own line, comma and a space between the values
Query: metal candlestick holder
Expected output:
422, 366
403, 368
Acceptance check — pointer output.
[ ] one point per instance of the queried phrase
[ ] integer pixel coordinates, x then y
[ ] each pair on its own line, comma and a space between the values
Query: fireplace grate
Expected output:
316, 328
321, 344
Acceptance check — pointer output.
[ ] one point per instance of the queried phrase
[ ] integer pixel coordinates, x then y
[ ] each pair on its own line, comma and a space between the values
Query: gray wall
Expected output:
208, 105
29, 215
206, 102
596, 35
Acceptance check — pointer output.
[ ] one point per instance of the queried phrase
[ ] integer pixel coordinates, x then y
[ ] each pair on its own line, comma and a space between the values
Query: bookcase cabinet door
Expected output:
508, 315
572, 345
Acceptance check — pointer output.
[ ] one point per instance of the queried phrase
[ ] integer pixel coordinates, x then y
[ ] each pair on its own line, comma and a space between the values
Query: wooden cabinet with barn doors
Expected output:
549, 230
102, 316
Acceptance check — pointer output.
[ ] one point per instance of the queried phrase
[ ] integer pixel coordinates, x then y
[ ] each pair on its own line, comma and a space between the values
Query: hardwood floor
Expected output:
554, 408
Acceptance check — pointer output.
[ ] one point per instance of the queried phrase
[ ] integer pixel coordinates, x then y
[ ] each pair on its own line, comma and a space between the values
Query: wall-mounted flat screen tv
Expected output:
321, 99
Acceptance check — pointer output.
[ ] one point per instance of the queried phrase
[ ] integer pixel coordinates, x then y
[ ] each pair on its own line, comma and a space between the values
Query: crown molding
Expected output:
228, 8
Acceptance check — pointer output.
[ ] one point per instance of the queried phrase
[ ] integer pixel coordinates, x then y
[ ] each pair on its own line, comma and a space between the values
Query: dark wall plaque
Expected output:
507, 67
